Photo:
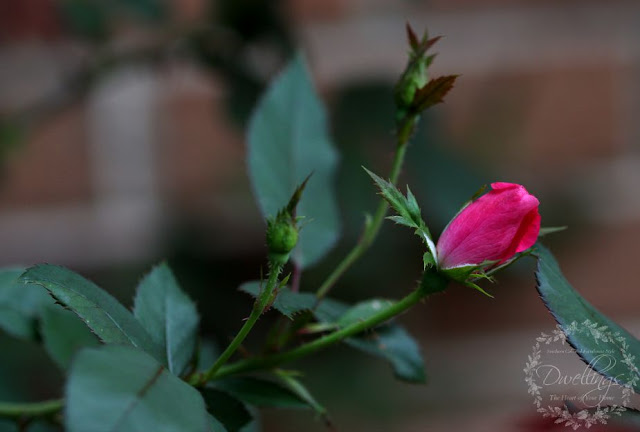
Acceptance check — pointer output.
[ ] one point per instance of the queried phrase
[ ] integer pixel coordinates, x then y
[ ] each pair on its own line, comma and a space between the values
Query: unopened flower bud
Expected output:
492, 228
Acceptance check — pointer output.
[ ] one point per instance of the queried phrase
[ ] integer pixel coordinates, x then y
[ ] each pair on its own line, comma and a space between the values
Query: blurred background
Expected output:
122, 144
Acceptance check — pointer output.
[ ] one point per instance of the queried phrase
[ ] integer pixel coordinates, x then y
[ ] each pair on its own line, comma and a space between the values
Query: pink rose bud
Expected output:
493, 228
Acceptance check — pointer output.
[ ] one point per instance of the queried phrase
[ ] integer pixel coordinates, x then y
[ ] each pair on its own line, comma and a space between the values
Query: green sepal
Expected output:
476, 287
460, 274
471, 271
551, 230
297, 195
481, 190
409, 213
469, 274
428, 260
407, 208
513, 259
433, 93
290, 380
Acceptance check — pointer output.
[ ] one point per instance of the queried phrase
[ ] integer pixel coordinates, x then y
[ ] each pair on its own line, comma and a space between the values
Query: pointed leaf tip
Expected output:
434, 92
168, 315
101, 312
428, 43
297, 195
569, 309
412, 37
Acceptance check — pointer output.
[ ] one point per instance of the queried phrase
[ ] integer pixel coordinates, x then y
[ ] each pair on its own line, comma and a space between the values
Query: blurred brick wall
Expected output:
547, 96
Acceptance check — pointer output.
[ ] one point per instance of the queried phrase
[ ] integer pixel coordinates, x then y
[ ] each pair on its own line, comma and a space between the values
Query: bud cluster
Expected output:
414, 91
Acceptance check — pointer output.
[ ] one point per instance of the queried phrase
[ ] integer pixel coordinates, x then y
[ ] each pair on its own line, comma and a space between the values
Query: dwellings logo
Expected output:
579, 394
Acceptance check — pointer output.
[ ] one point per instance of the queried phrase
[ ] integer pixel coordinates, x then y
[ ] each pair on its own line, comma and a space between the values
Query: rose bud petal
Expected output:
493, 228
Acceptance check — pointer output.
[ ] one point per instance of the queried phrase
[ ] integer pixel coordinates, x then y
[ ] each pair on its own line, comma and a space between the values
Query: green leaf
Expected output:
20, 305
393, 343
122, 389
16, 324
208, 352
260, 392
363, 310
630, 417
216, 426
107, 318
169, 315
226, 409
390, 341
287, 302
288, 140
570, 309
330, 311
292, 383
63, 334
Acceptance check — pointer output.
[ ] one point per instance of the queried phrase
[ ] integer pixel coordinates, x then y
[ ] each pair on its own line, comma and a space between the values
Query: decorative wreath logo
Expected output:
584, 417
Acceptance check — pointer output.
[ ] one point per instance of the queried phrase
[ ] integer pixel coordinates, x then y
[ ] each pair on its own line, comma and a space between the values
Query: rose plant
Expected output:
148, 370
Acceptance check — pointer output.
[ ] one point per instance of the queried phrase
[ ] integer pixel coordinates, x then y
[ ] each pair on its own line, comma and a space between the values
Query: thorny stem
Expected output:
258, 308
273, 360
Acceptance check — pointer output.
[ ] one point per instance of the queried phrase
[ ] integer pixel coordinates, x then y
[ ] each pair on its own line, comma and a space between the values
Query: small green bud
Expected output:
282, 231
282, 237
